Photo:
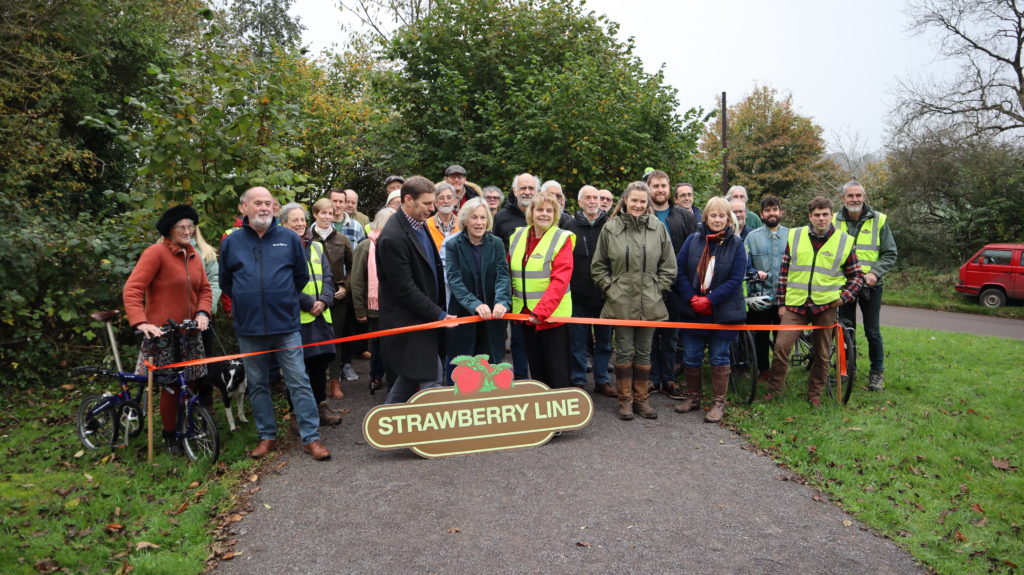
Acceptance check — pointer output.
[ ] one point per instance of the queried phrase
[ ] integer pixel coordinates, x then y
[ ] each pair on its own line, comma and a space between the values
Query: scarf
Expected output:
372, 301
706, 265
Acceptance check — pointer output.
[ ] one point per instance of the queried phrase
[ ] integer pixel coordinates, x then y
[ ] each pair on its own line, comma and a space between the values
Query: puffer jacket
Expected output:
633, 264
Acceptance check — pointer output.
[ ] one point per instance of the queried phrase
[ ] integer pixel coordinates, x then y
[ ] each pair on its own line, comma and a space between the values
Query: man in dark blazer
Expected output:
411, 291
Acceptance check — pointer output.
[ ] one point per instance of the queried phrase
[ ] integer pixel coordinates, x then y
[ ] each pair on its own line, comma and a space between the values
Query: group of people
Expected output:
451, 249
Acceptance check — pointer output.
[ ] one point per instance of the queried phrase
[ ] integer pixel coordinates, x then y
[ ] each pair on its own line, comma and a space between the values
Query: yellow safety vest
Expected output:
314, 286
529, 282
816, 275
867, 239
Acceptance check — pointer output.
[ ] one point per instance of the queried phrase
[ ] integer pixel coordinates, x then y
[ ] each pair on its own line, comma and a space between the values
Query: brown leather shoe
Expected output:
606, 390
317, 450
265, 447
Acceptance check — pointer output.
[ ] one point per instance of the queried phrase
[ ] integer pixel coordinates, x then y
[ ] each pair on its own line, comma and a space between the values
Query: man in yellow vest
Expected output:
876, 250
820, 272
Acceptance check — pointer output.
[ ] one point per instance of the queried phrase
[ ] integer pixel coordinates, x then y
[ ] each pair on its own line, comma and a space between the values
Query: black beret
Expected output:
173, 216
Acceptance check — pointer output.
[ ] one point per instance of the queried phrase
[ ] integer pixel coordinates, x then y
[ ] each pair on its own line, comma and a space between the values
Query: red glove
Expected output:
701, 305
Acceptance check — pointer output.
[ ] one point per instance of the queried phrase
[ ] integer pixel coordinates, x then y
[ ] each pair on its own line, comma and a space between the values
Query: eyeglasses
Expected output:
457, 176
185, 227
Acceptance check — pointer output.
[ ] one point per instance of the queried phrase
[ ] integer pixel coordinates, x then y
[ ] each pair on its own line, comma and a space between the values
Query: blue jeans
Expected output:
870, 308
293, 368
579, 334
404, 387
694, 345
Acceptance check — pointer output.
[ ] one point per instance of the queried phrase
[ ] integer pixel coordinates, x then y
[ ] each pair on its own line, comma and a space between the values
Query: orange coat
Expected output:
168, 282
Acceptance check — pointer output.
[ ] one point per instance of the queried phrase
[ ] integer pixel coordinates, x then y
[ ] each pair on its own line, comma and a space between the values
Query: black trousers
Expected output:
550, 353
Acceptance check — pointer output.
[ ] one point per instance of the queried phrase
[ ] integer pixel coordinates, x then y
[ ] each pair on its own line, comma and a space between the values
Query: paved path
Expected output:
952, 321
674, 495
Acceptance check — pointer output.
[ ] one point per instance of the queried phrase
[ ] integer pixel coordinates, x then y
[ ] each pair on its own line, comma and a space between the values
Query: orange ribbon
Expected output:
523, 317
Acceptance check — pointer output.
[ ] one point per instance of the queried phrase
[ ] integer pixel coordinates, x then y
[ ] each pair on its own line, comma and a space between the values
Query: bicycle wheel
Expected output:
95, 429
132, 417
803, 351
743, 369
201, 441
846, 386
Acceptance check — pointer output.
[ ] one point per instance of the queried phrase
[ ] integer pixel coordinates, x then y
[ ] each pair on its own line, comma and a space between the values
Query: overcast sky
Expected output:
840, 59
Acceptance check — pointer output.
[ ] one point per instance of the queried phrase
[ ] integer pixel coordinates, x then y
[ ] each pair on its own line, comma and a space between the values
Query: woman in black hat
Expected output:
169, 283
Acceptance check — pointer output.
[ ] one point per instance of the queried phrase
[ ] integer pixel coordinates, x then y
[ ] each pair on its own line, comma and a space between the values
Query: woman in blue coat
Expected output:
478, 277
709, 287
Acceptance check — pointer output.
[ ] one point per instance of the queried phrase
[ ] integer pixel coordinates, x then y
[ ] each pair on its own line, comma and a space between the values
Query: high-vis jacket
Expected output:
315, 286
876, 248
529, 282
817, 275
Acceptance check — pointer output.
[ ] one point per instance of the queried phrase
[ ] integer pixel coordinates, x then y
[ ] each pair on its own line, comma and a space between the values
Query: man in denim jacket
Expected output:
765, 246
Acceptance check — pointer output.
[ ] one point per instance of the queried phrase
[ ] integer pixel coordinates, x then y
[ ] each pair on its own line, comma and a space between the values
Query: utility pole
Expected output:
725, 148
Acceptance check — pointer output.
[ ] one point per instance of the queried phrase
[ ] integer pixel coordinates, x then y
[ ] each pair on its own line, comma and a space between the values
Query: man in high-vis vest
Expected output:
876, 250
820, 272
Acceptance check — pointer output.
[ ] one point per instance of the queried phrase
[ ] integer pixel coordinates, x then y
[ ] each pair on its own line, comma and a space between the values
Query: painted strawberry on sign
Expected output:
474, 374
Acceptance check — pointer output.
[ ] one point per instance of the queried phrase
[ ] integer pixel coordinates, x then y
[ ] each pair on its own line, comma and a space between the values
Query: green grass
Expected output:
915, 461
61, 505
929, 289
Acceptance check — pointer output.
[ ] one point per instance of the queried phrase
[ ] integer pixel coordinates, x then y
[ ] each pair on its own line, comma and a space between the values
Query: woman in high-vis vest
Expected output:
540, 261
633, 264
711, 265
315, 305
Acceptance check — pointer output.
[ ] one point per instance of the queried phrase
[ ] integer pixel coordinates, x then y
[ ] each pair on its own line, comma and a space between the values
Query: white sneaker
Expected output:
349, 373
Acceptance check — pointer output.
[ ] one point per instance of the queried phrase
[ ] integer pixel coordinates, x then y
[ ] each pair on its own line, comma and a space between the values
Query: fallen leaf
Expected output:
193, 485
959, 536
87, 476
46, 566
117, 512
267, 505
280, 465
79, 453
73, 503
115, 527
124, 569
1003, 464
847, 523
903, 533
855, 428
964, 489
181, 509
818, 498
812, 448
977, 508
145, 545
254, 478
234, 517
230, 555
980, 522
67, 386
62, 491
583, 543
454, 530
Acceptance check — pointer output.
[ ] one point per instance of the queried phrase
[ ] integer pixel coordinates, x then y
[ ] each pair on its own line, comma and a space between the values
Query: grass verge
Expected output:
67, 509
932, 461
929, 289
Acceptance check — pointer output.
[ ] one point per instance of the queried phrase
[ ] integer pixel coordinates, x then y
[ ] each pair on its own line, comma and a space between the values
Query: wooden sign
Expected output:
478, 415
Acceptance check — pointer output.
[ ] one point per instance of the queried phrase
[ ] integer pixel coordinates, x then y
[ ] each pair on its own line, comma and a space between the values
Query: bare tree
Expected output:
986, 38
375, 14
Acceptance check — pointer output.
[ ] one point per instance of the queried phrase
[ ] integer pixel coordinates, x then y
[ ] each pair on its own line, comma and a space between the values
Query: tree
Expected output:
953, 196
264, 24
986, 38
503, 86
774, 150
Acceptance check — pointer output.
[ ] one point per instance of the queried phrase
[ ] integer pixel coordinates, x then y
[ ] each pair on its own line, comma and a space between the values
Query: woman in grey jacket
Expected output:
633, 264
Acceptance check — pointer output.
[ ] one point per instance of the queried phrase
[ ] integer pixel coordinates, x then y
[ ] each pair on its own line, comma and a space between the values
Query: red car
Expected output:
994, 274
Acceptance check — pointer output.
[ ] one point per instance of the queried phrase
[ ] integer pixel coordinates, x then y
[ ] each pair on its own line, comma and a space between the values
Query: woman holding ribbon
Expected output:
541, 266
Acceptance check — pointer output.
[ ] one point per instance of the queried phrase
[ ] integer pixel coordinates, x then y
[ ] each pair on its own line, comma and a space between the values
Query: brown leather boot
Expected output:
693, 389
720, 385
641, 383
624, 385
334, 389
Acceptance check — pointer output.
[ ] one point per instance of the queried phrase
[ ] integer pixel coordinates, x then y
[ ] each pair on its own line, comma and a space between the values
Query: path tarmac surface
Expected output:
675, 495
951, 321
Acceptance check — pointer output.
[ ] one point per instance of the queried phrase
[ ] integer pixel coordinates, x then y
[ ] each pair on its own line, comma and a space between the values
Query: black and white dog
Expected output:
229, 377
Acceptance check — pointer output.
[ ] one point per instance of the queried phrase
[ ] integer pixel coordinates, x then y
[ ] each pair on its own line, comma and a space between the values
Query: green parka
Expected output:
633, 264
